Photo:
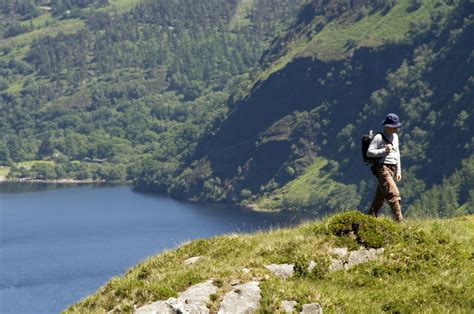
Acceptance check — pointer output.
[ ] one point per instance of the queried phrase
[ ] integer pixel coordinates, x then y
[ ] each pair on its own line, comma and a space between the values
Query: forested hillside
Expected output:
293, 141
259, 102
99, 89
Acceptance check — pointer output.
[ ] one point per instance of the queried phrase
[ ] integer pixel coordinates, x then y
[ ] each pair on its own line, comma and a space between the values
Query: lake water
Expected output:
59, 244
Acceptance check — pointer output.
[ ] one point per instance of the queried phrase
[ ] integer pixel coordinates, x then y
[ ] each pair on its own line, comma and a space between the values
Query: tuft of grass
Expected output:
427, 266
367, 231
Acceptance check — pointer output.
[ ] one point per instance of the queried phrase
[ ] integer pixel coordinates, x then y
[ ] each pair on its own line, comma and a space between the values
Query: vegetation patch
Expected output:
396, 22
364, 229
315, 189
427, 265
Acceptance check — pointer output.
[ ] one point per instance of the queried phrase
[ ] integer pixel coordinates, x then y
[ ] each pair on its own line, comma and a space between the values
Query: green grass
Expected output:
65, 26
372, 30
299, 192
29, 164
119, 6
427, 267
47, 25
4, 170
240, 17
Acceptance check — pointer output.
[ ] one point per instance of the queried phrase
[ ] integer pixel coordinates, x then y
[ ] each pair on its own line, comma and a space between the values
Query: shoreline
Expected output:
56, 181
255, 208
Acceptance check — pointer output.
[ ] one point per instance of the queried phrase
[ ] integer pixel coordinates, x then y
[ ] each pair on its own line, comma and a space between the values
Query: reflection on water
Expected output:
25, 187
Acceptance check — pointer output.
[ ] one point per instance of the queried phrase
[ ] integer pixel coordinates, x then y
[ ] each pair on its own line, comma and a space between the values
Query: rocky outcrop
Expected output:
243, 298
288, 306
192, 260
283, 270
194, 300
362, 256
312, 308
348, 259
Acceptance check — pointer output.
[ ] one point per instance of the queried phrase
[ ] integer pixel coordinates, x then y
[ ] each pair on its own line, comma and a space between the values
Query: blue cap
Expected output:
392, 121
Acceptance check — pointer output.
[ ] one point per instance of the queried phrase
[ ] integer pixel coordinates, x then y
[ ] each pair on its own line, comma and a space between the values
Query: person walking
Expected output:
387, 169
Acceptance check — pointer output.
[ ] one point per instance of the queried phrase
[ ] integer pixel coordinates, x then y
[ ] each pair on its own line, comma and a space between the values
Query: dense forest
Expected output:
257, 102
128, 89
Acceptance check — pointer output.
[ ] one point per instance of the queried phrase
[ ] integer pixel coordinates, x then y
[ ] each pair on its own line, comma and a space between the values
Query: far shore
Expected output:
57, 181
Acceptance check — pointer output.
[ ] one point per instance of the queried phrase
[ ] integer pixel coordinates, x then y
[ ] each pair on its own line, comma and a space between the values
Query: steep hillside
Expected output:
105, 88
422, 266
330, 79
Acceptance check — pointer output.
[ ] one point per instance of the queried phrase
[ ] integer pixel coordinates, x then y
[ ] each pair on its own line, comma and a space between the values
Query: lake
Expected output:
59, 244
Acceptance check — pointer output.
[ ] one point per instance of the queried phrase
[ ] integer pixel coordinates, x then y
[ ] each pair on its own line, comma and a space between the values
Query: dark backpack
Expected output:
366, 139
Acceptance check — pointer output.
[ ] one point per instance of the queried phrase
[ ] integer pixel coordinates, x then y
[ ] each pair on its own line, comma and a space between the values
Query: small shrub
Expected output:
365, 230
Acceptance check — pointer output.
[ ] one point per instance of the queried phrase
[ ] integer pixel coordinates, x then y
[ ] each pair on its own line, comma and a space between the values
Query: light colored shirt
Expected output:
377, 149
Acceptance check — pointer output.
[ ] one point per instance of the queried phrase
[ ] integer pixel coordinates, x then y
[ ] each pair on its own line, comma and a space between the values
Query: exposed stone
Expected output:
282, 270
193, 300
288, 306
243, 298
336, 265
312, 308
159, 307
245, 270
311, 266
339, 251
362, 255
192, 260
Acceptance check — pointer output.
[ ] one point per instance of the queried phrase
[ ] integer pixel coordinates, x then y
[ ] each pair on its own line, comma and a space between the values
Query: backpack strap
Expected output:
384, 137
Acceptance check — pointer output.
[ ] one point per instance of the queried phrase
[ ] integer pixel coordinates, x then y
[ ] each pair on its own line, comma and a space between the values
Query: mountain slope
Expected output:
316, 100
106, 88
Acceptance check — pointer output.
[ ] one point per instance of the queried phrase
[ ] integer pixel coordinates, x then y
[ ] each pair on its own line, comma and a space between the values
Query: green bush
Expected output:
366, 230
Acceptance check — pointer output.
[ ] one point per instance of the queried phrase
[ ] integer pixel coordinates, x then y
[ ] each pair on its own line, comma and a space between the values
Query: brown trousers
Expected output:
386, 190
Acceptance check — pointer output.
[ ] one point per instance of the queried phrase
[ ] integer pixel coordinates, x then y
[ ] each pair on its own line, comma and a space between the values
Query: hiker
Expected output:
385, 147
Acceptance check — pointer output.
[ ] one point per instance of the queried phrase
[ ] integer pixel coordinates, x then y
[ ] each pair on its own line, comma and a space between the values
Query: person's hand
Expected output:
399, 177
388, 148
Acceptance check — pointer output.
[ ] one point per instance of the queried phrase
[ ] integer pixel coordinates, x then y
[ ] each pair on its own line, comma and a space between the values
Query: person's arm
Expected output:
399, 165
374, 150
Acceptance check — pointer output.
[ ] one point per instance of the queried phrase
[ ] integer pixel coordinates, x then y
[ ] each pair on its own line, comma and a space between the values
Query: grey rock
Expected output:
242, 299
192, 260
245, 270
336, 265
362, 255
311, 266
288, 306
283, 270
193, 300
159, 307
339, 251
312, 308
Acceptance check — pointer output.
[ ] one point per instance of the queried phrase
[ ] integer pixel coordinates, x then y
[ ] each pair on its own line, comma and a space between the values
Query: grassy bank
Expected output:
427, 267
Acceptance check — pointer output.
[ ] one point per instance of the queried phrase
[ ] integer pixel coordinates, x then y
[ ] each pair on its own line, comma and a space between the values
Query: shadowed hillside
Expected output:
316, 101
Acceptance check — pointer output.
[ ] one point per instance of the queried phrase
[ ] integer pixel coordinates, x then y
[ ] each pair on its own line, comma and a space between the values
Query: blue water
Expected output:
58, 245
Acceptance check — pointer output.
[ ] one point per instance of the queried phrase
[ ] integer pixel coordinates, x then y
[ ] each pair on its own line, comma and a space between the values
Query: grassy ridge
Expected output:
314, 189
298, 192
47, 25
342, 36
427, 267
